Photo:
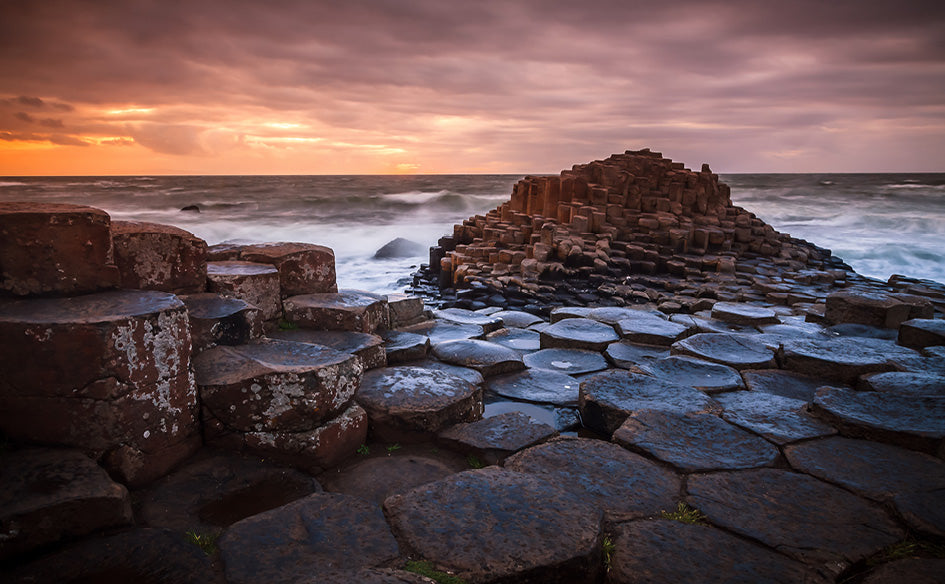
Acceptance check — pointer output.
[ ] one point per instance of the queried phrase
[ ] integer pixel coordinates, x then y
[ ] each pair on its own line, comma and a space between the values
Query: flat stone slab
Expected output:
148, 556
695, 442
413, 399
370, 348
784, 383
255, 283
779, 419
516, 318
537, 385
470, 375
735, 350
821, 525
649, 329
276, 385
323, 531
622, 484
569, 361
47, 495
439, 331
913, 482
212, 493
904, 383
494, 524
304, 268
218, 320
487, 358
578, 333
912, 570
914, 422
703, 375
625, 354
606, 400
560, 418
922, 332
401, 347
463, 316
559, 314
495, 438
743, 314
520, 339
842, 359
661, 550
346, 310
379, 477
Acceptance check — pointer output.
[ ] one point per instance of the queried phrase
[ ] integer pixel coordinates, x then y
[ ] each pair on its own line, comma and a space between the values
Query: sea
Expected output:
880, 224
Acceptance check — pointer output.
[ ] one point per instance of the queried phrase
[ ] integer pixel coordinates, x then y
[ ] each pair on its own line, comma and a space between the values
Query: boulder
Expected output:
257, 284
494, 439
108, 373
490, 359
578, 333
55, 250
347, 310
400, 248
401, 347
304, 268
218, 320
151, 256
492, 525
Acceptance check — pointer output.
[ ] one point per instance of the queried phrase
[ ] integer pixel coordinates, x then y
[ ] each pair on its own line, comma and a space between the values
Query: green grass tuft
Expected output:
905, 549
685, 514
474, 462
285, 325
393, 447
609, 548
364, 450
426, 569
205, 541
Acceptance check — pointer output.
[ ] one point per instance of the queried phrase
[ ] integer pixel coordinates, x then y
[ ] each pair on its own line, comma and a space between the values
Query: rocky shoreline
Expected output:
625, 378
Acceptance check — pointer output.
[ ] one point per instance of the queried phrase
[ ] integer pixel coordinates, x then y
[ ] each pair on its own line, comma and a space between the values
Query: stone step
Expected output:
304, 268
405, 310
492, 440
578, 333
402, 347
108, 373
370, 348
735, 350
218, 320
55, 249
490, 359
257, 284
151, 256
347, 310
569, 361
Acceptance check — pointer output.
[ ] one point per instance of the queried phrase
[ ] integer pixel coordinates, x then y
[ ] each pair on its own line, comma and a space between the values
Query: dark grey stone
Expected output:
625, 354
495, 438
649, 329
570, 361
578, 333
537, 385
487, 358
365, 345
743, 314
467, 317
519, 339
904, 383
784, 383
516, 319
842, 359
911, 571
401, 347
732, 349
781, 420
703, 375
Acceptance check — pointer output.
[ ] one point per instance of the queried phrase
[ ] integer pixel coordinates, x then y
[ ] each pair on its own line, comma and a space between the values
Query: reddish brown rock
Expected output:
304, 268
922, 332
874, 308
218, 320
108, 373
253, 282
151, 256
405, 310
348, 310
47, 495
399, 470
52, 249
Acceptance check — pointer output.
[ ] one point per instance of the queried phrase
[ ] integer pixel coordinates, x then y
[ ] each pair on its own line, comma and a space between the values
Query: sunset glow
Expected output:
423, 86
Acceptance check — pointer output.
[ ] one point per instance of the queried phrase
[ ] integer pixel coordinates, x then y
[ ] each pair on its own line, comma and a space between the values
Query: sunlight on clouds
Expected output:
129, 110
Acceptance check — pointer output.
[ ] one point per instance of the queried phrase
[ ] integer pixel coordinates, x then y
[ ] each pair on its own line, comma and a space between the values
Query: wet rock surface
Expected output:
625, 354
218, 320
257, 284
347, 310
779, 419
493, 439
736, 351
537, 385
707, 376
490, 359
578, 333
569, 361
370, 348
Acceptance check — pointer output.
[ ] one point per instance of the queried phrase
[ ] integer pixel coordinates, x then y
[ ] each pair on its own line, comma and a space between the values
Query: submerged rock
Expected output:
400, 248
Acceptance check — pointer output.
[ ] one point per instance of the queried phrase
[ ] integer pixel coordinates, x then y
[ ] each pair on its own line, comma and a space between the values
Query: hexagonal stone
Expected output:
694, 442
622, 484
405, 310
495, 438
703, 375
607, 399
913, 482
560, 418
323, 531
732, 349
470, 375
922, 332
912, 570
743, 314
401, 347
47, 495
904, 382
625, 354
275, 385
819, 524
781, 420
218, 320
463, 316
578, 333
643, 553
152, 556
570, 361
346, 310
649, 329
914, 422
494, 524
516, 319
784, 383
537, 385
439, 331
875, 308
487, 358
255, 283
405, 400
378, 477
559, 314
304, 268
842, 359
523, 340
370, 348
212, 493
151, 256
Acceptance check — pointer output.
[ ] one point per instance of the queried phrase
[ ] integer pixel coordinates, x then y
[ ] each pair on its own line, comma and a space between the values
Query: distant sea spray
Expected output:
879, 224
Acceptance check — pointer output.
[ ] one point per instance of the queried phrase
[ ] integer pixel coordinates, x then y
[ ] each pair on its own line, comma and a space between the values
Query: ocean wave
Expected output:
12, 184
912, 185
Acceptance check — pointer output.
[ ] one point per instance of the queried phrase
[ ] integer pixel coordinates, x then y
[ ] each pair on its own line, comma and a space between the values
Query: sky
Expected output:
98, 87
